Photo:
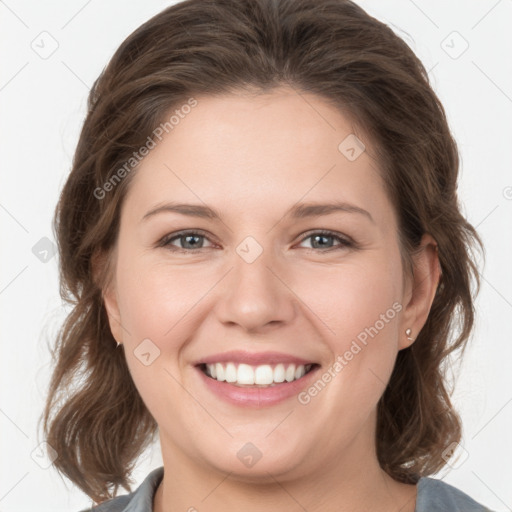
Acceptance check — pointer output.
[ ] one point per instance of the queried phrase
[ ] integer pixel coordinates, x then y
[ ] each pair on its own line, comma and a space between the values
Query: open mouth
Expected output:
265, 375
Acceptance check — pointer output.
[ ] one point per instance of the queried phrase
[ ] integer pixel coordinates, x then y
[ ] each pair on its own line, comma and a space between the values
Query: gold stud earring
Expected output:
408, 334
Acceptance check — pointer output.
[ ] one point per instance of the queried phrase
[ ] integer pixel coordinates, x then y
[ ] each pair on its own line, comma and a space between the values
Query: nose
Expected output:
256, 296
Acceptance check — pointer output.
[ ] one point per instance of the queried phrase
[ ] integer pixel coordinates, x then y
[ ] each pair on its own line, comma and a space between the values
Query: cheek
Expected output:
350, 299
156, 299
358, 309
158, 306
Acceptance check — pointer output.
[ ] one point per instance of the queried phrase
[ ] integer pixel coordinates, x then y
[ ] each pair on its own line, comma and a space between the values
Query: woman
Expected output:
262, 241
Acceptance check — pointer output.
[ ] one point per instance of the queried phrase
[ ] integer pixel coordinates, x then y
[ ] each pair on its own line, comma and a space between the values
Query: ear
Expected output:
114, 316
104, 277
420, 290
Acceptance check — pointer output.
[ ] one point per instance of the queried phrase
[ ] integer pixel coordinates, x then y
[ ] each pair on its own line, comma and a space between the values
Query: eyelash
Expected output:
345, 242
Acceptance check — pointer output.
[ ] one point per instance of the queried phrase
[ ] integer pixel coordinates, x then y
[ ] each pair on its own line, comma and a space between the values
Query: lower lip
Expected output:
257, 396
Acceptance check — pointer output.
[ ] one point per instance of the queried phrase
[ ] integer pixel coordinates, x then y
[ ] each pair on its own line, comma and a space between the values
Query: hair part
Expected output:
94, 417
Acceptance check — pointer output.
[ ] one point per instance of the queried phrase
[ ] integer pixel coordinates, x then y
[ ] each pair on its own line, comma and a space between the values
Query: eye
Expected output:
189, 240
321, 240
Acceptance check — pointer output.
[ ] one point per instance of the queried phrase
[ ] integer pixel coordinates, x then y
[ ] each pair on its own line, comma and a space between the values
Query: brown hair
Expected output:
94, 417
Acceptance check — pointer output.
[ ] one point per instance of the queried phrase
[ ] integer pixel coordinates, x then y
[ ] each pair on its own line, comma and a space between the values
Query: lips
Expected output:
255, 379
257, 395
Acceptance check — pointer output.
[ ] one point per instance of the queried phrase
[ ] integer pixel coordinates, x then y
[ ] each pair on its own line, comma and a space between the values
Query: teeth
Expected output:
220, 373
231, 374
290, 373
279, 373
263, 375
245, 374
300, 372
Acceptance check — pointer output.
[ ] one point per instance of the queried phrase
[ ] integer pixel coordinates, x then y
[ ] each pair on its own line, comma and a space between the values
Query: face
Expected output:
267, 290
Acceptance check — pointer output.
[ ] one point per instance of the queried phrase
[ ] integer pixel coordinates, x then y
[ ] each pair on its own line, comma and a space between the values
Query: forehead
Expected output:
260, 153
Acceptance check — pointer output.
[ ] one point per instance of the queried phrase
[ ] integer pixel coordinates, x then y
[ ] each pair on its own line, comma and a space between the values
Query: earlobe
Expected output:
424, 281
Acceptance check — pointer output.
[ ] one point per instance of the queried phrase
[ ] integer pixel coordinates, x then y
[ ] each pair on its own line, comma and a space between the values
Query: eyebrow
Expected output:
299, 211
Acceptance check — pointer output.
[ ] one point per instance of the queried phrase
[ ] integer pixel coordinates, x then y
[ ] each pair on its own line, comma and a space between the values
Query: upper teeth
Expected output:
264, 374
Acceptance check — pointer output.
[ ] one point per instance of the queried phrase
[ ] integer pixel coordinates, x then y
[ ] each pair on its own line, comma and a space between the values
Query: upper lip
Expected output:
252, 358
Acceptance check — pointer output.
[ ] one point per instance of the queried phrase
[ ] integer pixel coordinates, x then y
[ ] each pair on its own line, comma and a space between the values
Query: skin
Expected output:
252, 158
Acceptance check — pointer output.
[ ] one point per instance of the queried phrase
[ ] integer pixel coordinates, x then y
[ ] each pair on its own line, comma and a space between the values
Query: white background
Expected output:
42, 105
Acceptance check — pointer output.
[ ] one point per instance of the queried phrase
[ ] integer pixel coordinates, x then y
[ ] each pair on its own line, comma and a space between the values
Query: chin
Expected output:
255, 462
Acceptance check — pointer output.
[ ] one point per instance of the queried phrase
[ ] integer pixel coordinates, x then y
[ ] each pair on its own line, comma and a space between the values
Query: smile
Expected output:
264, 375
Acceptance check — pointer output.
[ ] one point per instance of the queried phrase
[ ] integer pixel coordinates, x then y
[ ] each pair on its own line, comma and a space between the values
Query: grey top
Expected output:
433, 496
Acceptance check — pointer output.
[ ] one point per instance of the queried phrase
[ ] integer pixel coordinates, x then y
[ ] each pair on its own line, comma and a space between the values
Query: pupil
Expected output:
188, 237
323, 237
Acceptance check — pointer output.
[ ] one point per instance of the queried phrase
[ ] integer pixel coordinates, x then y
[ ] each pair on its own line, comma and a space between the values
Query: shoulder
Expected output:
438, 496
140, 500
